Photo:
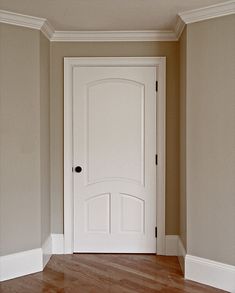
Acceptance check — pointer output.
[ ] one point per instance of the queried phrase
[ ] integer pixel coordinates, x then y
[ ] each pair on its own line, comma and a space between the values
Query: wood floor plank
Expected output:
107, 273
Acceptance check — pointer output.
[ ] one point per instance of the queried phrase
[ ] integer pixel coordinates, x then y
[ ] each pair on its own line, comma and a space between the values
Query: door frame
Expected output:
69, 64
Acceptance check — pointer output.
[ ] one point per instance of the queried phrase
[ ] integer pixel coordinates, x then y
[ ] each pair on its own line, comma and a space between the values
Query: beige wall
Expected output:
45, 136
24, 109
24, 139
182, 153
168, 49
210, 139
19, 139
206, 104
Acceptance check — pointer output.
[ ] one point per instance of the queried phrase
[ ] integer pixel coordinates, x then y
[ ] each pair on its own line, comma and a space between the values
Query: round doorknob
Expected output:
78, 169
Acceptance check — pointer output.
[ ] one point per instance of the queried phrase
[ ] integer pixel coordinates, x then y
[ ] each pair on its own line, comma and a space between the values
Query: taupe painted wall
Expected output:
20, 208
210, 139
45, 136
168, 49
25, 159
24, 139
207, 140
182, 153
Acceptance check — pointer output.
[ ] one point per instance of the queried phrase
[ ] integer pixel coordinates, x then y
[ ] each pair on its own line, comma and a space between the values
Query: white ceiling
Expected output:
106, 14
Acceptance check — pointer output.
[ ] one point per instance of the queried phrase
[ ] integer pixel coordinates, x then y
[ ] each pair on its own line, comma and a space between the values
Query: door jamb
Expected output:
69, 64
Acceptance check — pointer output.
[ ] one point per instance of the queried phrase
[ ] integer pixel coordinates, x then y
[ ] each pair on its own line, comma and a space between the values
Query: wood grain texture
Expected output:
103, 273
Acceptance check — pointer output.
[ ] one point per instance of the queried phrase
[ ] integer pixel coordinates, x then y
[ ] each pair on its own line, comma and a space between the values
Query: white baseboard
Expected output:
20, 264
26, 262
172, 245
181, 254
57, 243
197, 269
46, 251
210, 273
175, 247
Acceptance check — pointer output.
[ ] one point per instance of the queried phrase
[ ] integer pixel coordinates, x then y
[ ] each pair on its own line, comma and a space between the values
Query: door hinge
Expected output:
156, 159
156, 86
156, 232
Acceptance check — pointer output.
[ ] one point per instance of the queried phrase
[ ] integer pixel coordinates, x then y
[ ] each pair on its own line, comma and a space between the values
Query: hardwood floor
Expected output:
102, 273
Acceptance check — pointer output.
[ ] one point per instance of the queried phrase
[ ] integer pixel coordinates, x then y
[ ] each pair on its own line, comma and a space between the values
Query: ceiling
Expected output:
106, 14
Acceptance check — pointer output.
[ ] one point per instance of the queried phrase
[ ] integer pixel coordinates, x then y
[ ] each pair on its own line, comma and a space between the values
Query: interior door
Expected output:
114, 145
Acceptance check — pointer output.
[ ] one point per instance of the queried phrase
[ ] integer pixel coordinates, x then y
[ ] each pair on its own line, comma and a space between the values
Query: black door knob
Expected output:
78, 169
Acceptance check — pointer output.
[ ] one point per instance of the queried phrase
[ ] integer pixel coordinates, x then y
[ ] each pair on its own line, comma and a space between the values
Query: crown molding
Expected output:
28, 21
183, 18
179, 27
48, 30
113, 36
83, 36
209, 12
21, 19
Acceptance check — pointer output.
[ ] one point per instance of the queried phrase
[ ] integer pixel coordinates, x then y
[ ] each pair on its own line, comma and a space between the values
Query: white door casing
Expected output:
110, 130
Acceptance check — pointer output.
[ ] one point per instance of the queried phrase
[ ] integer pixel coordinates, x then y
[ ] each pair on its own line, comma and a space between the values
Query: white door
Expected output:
114, 135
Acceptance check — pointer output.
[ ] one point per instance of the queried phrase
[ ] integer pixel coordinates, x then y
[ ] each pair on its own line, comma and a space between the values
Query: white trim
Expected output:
30, 261
57, 243
175, 247
20, 264
172, 245
186, 17
160, 62
181, 248
161, 151
68, 159
113, 36
28, 21
69, 63
208, 12
48, 30
179, 27
181, 254
21, 19
210, 272
46, 251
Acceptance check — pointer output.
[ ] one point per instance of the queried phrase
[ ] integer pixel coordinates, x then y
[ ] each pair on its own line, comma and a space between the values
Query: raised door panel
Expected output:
115, 135
132, 215
97, 214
